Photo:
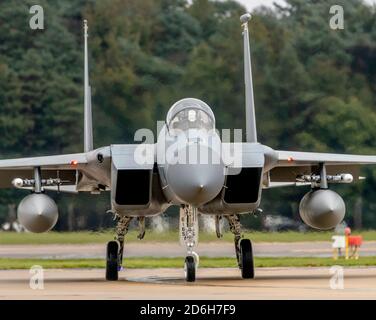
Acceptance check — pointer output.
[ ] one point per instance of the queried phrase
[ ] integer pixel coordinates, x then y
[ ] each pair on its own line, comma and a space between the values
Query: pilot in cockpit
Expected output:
188, 114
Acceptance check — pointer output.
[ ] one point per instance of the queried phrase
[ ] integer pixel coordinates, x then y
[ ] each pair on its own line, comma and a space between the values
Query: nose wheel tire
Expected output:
190, 269
112, 261
246, 259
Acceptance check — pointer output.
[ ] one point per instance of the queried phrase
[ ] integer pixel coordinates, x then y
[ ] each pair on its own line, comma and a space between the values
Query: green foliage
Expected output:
205, 262
170, 236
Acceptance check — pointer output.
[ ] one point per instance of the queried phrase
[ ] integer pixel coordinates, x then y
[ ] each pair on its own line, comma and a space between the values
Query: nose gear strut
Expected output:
188, 226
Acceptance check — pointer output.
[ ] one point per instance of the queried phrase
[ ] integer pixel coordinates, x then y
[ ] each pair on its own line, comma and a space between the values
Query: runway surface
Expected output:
147, 249
159, 284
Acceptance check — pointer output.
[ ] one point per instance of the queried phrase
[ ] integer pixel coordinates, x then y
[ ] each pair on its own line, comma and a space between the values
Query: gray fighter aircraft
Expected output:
209, 185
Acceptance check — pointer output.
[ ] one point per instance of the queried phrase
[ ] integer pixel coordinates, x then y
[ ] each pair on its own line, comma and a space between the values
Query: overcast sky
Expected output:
251, 4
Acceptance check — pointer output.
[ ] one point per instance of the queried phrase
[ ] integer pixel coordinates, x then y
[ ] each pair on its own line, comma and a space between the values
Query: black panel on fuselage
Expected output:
243, 187
133, 187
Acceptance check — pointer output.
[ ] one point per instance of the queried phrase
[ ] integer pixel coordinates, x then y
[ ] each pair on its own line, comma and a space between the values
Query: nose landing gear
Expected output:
190, 269
188, 226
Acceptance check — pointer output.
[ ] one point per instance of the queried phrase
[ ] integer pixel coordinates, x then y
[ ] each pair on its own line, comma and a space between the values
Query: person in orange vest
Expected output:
353, 243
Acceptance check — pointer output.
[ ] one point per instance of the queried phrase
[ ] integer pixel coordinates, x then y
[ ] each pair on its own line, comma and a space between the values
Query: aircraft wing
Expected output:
63, 166
295, 158
58, 162
291, 164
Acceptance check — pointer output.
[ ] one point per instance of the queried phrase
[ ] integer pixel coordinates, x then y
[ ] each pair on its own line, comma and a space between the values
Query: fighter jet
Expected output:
185, 167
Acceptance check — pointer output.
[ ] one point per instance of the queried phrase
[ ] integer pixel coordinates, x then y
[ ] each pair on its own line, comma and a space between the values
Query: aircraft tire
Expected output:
112, 262
246, 257
190, 269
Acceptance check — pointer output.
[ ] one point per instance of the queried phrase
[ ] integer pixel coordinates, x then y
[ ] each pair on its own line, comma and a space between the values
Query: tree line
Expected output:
315, 88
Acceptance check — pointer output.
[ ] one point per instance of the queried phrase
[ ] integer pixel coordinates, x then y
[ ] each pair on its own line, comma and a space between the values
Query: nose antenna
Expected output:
250, 116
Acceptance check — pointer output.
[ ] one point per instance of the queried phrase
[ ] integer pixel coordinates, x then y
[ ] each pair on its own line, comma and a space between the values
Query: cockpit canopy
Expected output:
190, 113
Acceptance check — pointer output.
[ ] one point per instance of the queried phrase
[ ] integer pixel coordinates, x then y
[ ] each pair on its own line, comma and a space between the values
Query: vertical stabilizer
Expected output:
88, 122
251, 133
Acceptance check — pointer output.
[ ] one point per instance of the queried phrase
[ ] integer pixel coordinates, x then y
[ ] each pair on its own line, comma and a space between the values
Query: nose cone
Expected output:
198, 176
195, 184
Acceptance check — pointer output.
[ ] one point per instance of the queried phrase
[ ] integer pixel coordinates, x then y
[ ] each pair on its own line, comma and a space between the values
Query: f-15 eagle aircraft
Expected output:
217, 187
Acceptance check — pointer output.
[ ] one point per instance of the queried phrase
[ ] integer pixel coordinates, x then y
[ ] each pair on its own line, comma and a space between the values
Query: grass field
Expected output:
103, 237
135, 263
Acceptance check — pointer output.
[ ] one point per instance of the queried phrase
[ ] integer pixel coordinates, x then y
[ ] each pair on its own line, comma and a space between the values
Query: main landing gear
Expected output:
115, 249
188, 226
243, 248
